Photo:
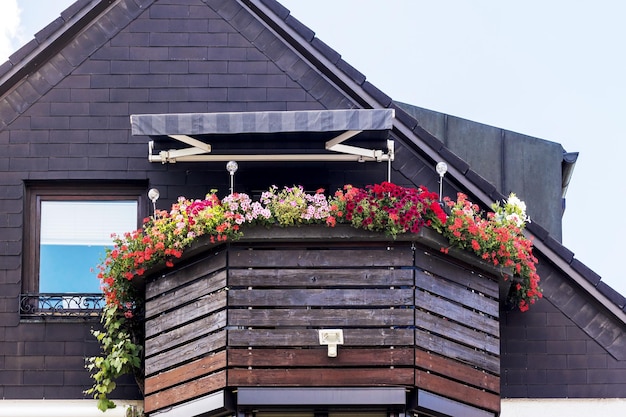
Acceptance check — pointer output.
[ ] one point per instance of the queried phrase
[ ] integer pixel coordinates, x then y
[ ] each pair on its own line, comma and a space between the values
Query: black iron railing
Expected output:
61, 305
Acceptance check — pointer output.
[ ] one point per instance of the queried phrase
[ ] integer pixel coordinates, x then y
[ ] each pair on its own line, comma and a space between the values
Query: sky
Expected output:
553, 69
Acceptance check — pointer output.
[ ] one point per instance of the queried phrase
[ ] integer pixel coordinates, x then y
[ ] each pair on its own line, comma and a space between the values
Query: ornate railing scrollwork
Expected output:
61, 305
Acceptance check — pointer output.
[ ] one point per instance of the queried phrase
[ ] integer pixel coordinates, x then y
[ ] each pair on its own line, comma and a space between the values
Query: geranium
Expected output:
385, 207
496, 237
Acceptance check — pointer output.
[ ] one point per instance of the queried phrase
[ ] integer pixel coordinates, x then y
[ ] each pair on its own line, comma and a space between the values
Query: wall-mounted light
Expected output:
153, 195
232, 167
441, 169
331, 338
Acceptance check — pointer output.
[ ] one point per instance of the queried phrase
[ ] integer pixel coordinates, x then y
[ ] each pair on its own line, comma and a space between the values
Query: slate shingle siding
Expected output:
545, 355
70, 120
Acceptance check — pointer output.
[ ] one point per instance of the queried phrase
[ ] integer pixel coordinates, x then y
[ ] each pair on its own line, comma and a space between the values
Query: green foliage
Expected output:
120, 356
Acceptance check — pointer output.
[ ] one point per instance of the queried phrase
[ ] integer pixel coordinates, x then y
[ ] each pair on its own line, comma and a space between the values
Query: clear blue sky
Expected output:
551, 69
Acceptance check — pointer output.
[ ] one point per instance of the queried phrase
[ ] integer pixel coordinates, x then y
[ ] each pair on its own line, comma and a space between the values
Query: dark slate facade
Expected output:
64, 119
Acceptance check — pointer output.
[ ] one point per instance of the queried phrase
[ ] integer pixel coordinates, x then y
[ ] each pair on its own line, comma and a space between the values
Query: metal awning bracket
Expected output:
196, 148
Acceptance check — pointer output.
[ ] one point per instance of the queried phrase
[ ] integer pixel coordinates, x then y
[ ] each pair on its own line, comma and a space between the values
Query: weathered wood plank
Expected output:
184, 274
290, 277
450, 349
463, 276
316, 357
185, 353
193, 370
203, 306
185, 392
366, 317
183, 334
457, 391
321, 377
456, 370
321, 258
185, 294
457, 332
456, 292
456, 312
309, 337
320, 297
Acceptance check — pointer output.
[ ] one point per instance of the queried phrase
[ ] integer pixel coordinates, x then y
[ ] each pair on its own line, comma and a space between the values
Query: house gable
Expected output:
69, 120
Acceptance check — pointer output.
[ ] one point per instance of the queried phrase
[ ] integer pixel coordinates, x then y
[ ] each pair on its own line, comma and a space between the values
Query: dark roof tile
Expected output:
332, 55
453, 160
300, 28
585, 271
481, 182
428, 138
281, 11
377, 94
73, 9
537, 230
5, 67
617, 298
47, 31
403, 116
553, 244
23, 52
351, 72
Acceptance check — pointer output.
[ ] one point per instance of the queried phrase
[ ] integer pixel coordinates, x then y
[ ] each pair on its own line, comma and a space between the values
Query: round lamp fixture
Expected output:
441, 168
153, 195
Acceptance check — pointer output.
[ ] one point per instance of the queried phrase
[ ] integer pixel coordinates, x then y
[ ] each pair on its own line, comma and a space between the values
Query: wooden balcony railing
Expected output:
247, 314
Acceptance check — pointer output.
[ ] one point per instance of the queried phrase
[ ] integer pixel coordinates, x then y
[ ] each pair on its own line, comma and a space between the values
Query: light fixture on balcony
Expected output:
232, 167
153, 195
441, 168
331, 338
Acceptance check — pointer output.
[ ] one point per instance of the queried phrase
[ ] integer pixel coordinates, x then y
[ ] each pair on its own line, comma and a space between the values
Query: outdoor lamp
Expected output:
153, 195
331, 338
232, 167
441, 169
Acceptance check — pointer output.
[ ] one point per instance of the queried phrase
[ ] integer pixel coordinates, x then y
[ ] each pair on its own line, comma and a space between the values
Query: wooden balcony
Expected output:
247, 314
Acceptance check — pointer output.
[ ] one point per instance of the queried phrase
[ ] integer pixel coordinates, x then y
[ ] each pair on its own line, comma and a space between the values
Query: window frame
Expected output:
36, 192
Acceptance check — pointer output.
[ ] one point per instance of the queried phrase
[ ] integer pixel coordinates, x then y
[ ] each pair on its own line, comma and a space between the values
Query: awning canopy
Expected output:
196, 130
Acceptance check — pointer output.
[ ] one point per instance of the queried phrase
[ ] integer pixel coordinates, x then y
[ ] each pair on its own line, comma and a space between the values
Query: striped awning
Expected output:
261, 122
196, 129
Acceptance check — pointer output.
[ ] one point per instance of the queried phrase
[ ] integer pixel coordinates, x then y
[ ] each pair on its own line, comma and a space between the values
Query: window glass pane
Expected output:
73, 238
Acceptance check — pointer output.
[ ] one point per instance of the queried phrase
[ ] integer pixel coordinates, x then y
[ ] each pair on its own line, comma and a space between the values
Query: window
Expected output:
67, 229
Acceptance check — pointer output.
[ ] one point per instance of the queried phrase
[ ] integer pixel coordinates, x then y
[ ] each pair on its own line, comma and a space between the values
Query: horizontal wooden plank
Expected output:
185, 353
330, 377
185, 392
321, 258
318, 356
201, 307
453, 350
320, 297
457, 332
453, 291
338, 277
184, 334
185, 274
310, 337
457, 391
192, 370
456, 312
438, 265
184, 294
452, 369
331, 317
